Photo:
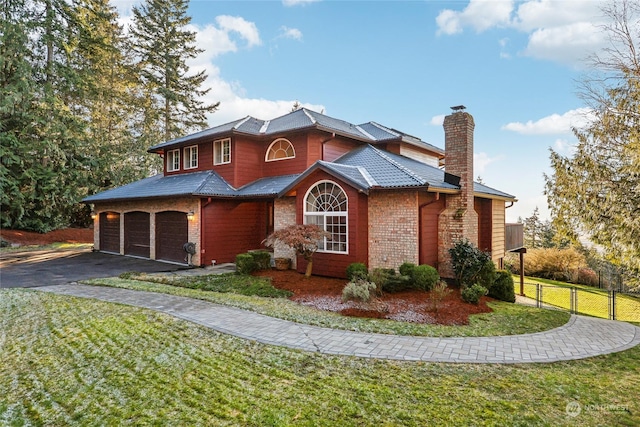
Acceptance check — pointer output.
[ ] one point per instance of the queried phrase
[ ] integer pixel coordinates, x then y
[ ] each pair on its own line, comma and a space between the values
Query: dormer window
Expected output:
222, 151
280, 149
191, 157
173, 160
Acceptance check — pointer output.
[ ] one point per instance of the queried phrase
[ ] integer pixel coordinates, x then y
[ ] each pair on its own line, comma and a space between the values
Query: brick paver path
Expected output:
581, 337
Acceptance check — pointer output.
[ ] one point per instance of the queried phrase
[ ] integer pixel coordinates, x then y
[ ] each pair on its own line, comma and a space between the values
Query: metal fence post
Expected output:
613, 305
538, 295
573, 300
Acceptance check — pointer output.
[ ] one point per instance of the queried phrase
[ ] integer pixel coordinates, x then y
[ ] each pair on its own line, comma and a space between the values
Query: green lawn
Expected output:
70, 361
591, 301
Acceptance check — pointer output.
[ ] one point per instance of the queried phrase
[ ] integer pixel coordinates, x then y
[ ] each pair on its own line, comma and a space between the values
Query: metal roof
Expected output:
300, 119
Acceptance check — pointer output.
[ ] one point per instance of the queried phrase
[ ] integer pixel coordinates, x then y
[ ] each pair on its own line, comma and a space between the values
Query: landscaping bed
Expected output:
408, 306
30, 238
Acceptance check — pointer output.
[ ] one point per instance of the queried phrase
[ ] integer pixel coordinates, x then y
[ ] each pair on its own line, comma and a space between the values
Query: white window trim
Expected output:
266, 156
221, 142
171, 165
187, 157
326, 214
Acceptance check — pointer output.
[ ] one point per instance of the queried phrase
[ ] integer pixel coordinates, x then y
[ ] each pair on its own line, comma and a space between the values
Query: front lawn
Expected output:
72, 361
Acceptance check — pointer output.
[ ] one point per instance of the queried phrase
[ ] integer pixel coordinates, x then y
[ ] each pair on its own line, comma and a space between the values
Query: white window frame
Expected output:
320, 219
191, 157
173, 160
219, 152
272, 149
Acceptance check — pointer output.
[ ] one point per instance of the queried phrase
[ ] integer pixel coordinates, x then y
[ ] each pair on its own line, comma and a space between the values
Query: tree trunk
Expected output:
309, 268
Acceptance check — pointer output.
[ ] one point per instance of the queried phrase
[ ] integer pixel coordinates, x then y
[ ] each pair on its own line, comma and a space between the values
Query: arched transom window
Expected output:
325, 205
280, 149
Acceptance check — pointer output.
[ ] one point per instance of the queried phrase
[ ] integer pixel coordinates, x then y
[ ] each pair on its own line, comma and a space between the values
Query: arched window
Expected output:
325, 205
280, 149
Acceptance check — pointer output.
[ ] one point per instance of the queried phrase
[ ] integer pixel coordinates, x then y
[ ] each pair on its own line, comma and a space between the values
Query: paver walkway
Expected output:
581, 337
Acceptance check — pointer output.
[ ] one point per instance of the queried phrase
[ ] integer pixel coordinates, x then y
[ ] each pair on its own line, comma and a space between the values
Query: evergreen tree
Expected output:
597, 190
163, 45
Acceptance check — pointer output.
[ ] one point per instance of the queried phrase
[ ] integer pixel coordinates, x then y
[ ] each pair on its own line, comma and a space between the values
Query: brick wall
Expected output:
459, 220
393, 228
284, 214
152, 207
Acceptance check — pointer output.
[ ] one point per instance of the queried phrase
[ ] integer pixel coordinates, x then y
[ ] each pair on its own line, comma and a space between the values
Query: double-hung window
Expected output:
222, 151
326, 206
173, 160
191, 157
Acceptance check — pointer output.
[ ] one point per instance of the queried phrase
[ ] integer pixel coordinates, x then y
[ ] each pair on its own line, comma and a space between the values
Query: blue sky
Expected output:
515, 65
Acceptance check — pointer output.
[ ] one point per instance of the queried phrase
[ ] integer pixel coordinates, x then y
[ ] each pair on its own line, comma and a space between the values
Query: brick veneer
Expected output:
152, 207
459, 220
393, 228
284, 215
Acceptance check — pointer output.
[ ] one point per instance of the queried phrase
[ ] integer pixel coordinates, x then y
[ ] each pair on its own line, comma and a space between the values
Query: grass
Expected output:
52, 246
76, 362
506, 319
591, 301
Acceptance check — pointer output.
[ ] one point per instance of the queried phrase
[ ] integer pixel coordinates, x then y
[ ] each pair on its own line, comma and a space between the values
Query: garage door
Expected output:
110, 232
136, 234
172, 232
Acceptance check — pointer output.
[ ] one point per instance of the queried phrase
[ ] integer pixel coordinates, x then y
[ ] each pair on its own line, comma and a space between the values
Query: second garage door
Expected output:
172, 232
136, 234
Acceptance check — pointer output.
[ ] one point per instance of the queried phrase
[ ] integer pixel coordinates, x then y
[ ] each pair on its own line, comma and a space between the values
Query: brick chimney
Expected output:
459, 220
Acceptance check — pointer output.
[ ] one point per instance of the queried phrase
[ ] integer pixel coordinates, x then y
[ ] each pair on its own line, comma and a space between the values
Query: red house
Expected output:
385, 196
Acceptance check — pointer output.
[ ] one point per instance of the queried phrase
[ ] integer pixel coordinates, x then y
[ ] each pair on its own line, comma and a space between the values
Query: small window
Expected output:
280, 149
222, 151
191, 157
173, 160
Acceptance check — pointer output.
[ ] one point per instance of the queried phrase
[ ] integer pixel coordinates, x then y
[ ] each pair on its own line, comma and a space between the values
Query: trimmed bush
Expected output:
473, 293
357, 270
387, 280
406, 269
425, 277
262, 259
358, 290
487, 275
468, 262
245, 264
502, 288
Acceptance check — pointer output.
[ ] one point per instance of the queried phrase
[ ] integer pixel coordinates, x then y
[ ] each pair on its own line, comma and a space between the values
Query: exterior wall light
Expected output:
191, 216
94, 215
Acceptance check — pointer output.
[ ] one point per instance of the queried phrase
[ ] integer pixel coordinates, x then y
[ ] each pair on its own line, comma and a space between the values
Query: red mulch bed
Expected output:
410, 306
67, 235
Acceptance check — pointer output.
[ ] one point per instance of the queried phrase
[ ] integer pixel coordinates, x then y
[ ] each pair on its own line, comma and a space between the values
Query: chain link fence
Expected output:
607, 304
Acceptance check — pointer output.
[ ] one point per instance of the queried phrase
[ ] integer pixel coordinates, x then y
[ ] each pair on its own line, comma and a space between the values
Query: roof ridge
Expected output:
264, 127
398, 165
241, 122
367, 134
384, 128
210, 174
313, 120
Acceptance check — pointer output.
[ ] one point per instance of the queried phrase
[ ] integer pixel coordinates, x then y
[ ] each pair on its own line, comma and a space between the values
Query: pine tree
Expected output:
162, 46
596, 191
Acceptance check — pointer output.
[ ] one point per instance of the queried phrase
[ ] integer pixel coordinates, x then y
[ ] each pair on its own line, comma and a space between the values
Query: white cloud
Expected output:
559, 30
437, 120
552, 125
298, 2
482, 160
247, 30
479, 14
290, 33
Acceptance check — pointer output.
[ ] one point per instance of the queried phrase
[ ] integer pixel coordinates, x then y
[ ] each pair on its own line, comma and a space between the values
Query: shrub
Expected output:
468, 262
245, 264
262, 259
387, 280
358, 290
487, 274
502, 288
357, 270
425, 277
406, 269
554, 263
586, 276
473, 293
437, 294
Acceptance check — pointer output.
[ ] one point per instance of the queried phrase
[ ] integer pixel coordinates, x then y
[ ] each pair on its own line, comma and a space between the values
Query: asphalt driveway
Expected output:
55, 267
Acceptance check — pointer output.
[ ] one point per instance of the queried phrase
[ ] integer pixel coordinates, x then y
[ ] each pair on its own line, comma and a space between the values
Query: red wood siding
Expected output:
330, 264
231, 227
247, 159
110, 232
483, 208
136, 234
430, 209
335, 148
172, 232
